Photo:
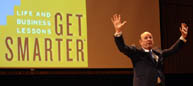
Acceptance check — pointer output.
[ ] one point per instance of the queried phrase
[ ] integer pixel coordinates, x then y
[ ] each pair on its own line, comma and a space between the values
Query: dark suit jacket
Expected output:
146, 70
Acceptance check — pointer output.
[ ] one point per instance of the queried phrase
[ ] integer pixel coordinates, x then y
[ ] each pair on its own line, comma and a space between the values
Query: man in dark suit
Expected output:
147, 62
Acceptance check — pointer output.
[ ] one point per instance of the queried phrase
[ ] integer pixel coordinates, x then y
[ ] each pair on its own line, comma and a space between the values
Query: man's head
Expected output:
146, 40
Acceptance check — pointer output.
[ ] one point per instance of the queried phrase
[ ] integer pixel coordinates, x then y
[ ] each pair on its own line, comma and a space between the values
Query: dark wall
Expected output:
172, 13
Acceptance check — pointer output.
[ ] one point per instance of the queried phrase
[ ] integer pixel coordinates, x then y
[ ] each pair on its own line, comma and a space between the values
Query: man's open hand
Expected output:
184, 30
116, 20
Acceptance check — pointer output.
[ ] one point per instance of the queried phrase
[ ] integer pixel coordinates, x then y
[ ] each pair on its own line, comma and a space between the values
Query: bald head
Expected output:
146, 40
144, 34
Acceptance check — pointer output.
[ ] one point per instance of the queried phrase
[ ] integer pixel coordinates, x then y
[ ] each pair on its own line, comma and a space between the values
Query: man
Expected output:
147, 63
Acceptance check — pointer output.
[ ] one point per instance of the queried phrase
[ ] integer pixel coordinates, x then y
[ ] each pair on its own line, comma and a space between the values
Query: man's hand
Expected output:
116, 20
184, 30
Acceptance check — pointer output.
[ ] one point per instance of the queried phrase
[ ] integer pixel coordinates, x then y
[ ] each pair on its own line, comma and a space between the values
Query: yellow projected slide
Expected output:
44, 34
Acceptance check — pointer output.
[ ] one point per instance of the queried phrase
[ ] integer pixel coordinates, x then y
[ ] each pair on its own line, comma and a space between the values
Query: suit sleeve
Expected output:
127, 50
173, 49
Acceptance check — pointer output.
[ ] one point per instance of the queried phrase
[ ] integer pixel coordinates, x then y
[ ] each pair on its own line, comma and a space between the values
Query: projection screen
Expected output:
72, 33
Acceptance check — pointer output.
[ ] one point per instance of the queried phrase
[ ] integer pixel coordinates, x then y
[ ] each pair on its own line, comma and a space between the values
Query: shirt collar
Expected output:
146, 50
